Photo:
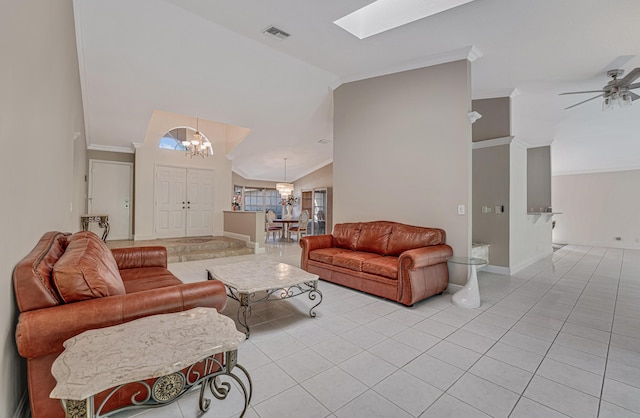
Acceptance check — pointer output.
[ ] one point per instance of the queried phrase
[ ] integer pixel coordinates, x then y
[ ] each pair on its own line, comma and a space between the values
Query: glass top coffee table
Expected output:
251, 282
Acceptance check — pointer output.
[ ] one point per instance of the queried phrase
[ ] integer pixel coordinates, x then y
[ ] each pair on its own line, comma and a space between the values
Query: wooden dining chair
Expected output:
269, 226
301, 227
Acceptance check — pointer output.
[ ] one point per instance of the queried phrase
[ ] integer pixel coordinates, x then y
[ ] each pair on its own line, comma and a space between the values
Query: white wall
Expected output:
402, 150
596, 208
41, 106
149, 156
530, 235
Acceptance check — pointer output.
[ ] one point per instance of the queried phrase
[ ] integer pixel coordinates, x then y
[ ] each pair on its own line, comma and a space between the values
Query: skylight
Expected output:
383, 15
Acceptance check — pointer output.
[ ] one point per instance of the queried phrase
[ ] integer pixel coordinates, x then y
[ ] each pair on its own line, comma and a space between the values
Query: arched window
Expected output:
173, 139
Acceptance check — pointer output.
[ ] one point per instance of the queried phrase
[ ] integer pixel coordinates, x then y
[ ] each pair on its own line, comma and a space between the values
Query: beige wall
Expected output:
496, 118
43, 181
250, 224
490, 189
402, 150
148, 156
596, 208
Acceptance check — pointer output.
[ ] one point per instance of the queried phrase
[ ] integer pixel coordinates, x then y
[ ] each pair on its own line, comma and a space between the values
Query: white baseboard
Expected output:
527, 263
140, 237
496, 269
615, 244
23, 410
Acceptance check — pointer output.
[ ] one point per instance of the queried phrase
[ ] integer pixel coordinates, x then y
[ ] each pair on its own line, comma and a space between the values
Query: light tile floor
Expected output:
561, 338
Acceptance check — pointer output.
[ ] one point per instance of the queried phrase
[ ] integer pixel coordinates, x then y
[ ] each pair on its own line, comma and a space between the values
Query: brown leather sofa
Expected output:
72, 283
400, 262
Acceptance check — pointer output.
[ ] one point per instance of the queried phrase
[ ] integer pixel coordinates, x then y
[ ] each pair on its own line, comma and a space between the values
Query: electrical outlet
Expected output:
460, 209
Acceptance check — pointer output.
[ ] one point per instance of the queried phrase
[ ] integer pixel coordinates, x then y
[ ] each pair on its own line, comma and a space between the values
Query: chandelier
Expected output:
199, 145
285, 189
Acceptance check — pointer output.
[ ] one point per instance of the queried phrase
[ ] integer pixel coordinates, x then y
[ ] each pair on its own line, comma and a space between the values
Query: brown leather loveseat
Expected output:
72, 283
400, 262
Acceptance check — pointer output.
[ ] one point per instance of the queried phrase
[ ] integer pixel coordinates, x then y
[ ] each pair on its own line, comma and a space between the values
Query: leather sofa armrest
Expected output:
136, 257
425, 256
313, 242
43, 331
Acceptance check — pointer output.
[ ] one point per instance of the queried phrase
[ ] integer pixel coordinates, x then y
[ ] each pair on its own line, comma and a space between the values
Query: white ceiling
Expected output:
208, 58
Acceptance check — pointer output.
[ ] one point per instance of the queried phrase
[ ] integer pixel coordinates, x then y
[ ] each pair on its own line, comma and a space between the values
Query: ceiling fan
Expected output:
617, 91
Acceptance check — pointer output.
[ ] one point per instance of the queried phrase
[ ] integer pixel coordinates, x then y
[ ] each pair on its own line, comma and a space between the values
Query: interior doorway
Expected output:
184, 202
110, 193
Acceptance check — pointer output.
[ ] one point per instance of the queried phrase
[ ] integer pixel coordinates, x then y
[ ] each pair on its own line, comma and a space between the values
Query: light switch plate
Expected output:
460, 209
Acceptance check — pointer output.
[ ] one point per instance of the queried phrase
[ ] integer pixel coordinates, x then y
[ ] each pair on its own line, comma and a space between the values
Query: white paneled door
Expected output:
110, 186
184, 202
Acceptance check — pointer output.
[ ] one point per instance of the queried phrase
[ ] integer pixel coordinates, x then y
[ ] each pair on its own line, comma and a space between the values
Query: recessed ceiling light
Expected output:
383, 15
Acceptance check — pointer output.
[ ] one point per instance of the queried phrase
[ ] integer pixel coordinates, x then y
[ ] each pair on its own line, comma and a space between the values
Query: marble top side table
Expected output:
161, 346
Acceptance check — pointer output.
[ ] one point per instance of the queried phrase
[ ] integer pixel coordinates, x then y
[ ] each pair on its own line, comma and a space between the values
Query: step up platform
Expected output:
191, 248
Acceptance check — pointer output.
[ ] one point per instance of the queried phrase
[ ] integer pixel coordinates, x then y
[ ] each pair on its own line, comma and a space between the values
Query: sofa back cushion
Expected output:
87, 270
406, 237
346, 235
32, 281
374, 237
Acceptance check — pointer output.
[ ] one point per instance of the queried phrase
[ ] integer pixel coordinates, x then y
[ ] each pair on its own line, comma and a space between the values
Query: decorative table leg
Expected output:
313, 294
104, 223
220, 389
78, 409
244, 311
469, 295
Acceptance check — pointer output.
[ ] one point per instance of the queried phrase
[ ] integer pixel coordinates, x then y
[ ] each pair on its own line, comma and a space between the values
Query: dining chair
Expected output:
269, 226
301, 227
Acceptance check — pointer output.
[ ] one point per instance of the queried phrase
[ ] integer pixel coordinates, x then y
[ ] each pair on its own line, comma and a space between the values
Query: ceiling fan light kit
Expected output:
616, 93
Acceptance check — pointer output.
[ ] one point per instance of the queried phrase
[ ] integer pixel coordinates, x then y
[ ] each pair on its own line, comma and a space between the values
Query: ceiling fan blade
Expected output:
580, 92
634, 86
584, 101
634, 96
629, 78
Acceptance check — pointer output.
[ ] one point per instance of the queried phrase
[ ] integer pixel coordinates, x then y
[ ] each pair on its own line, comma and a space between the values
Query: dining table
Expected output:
285, 235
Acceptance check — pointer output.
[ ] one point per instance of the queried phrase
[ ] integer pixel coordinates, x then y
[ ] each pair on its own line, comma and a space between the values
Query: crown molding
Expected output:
109, 148
495, 93
470, 53
137, 145
492, 142
595, 171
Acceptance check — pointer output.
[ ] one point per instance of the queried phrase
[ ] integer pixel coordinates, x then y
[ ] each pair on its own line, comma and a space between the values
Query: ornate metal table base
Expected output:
168, 389
102, 220
246, 299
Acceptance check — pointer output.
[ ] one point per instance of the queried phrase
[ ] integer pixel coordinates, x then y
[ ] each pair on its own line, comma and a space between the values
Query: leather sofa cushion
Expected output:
407, 237
353, 260
382, 266
346, 235
374, 237
325, 255
147, 278
87, 270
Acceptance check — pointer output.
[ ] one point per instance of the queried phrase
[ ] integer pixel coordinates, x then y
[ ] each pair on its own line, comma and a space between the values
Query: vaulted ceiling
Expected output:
208, 58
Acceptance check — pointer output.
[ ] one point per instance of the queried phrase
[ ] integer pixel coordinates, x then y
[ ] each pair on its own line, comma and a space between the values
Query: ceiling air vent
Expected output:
276, 33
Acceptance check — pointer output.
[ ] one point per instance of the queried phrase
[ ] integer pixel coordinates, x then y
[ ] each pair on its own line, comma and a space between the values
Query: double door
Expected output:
184, 202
